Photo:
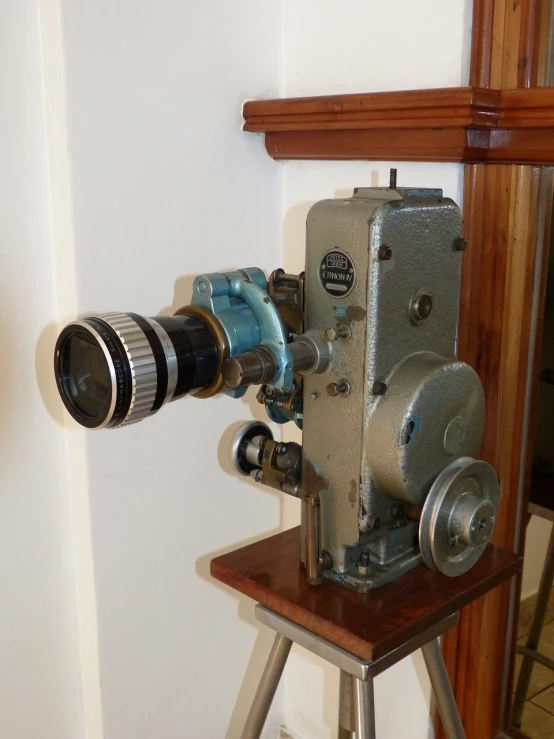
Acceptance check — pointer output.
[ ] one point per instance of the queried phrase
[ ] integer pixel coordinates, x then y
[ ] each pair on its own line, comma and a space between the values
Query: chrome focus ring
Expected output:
142, 364
170, 358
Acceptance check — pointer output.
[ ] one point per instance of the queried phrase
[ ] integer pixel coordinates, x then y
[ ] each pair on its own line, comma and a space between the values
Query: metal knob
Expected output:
246, 446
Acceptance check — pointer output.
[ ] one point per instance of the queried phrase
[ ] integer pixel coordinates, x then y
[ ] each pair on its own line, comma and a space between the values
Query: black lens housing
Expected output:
116, 369
105, 339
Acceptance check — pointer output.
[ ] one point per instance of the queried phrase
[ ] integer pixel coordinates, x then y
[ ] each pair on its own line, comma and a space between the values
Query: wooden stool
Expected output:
361, 634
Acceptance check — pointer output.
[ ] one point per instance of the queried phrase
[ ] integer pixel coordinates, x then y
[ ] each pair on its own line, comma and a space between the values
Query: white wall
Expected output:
536, 544
361, 46
40, 680
165, 185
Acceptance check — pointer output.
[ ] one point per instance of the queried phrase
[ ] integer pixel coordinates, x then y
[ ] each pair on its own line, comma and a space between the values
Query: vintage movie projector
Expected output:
359, 352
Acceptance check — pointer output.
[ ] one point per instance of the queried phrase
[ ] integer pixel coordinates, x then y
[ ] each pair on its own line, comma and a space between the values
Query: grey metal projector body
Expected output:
374, 453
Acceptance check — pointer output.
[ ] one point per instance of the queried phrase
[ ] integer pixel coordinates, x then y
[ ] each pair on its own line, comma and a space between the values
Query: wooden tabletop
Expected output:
368, 625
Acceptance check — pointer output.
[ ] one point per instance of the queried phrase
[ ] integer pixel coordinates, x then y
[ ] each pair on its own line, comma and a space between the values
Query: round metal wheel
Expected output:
458, 516
237, 450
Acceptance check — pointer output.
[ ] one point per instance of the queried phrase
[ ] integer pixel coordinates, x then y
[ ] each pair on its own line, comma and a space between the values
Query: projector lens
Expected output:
118, 368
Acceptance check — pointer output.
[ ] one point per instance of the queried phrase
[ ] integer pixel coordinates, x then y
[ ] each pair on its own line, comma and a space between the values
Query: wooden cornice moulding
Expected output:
459, 124
527, 108
450, 107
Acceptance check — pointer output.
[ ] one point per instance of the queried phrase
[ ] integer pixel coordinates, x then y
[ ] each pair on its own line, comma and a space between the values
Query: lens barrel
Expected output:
118, 368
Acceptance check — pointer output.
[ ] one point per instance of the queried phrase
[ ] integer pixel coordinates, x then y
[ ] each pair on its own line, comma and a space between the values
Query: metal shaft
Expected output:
535, 631
312, 521
446, 703
254, 367
365, 709
266, 689
259, 365
346, 706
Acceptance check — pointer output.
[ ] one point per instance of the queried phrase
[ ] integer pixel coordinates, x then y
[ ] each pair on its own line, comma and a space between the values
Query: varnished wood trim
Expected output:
500, 213
530, 38
544, 51
481, 43
420, 145
514, 146
468, 146
506, 53
455, 107
463, 124
436, 108
533, 108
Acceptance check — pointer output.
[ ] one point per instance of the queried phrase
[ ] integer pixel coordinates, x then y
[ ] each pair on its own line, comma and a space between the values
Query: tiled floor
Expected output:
538, 715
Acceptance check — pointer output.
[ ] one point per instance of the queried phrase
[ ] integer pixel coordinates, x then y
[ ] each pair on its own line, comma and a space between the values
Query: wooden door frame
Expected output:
502, 213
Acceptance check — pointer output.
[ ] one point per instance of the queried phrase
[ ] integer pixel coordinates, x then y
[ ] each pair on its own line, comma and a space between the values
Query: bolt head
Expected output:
340, 332
460, 244
338, 388
384, 253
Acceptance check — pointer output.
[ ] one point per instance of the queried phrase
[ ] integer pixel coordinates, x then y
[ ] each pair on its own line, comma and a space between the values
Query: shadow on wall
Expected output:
246, 606
44, 372
7, 398
264, 638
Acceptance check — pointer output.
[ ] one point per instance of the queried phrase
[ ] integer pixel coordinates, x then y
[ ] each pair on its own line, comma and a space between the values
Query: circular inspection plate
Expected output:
441, 548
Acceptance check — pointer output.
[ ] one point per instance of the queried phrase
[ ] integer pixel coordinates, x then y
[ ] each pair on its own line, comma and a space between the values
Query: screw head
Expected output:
384, 253
338, 388
459, 243
379, 388
340, 332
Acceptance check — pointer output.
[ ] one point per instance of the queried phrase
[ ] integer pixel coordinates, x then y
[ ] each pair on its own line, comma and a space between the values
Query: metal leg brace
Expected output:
356, 700
347, 723
266, 689
440, 682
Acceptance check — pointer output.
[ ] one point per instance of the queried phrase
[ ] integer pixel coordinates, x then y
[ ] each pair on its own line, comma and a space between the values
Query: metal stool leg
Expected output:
446, 703
533, 639
365, 709
266, 689
346, 706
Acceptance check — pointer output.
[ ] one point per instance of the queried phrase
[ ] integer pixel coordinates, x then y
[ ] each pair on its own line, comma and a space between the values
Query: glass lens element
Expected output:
86, 377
